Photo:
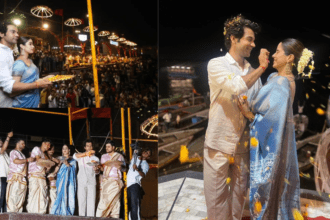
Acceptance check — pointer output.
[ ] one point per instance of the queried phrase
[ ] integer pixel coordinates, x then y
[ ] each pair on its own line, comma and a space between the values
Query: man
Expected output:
136, 172
38, 189
53, 99
86, 179
17, 185
111, 185
9, 36
226, 151
4, 166
167, 120
52, 178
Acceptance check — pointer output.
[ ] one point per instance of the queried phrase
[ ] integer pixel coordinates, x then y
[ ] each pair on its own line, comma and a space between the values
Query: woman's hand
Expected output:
243, 105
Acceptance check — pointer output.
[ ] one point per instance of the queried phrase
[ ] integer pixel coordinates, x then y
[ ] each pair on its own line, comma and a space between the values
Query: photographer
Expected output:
138, 169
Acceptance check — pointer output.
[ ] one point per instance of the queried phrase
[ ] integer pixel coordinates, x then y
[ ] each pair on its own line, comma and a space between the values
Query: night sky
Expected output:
135, 20
192, 34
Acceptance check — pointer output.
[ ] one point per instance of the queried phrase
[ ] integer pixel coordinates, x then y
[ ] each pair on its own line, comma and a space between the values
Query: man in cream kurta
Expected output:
226, 150
86, 180
38, 189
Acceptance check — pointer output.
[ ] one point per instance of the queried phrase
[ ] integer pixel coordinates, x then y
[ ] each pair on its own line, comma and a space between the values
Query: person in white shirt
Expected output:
167, 119
52, 99
226, 151
86, 179
9, 36
137, 170
4, 168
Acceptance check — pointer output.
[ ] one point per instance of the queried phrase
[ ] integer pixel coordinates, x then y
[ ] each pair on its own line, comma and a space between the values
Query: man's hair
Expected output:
110, 142
18, 140
235, 26
87, 141
46, 140
4, 26
147, 149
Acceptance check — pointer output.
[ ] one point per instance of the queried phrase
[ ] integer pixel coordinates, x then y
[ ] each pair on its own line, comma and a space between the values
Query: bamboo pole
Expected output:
92, 40
124, 149
129, 132
111, 131
70, 127
39, 111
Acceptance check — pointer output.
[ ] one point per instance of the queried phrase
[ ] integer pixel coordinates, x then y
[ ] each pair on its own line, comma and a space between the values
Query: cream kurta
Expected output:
17, 186
227, 135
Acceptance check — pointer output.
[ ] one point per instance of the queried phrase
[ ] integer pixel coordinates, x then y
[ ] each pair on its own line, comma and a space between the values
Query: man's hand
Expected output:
10, 134
51, 178
31, 159
134, 167
264, 57
90, 153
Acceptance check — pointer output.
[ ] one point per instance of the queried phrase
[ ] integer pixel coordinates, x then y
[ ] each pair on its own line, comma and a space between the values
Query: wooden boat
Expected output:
187, 121
306, 149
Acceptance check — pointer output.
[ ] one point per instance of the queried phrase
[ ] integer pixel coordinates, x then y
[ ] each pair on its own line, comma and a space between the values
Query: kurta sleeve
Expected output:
6, 79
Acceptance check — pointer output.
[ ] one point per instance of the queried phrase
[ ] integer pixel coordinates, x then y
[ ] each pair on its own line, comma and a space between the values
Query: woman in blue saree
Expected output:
274, 170
66, 185
25, 71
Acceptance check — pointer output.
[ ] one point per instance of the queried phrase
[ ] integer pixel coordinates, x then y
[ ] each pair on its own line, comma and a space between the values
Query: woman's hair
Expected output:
23, 41
235, 26
295, 47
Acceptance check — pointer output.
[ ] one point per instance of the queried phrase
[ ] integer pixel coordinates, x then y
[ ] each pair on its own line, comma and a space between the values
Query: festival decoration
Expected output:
113, 36
73, 22
42, 11
103, 33
152, 123
86, 29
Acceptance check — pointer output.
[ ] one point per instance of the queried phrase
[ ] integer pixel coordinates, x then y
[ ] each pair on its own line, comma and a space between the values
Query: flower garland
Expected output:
306, 56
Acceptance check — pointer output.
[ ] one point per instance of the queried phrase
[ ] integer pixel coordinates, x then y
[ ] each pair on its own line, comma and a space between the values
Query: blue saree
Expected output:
66, 189
274, 171
29, 74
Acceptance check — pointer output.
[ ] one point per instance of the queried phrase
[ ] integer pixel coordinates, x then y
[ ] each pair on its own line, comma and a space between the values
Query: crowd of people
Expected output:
44, 184
122, 82
132, 84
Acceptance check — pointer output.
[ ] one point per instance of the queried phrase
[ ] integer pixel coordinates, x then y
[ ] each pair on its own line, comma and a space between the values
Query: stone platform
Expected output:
181, 196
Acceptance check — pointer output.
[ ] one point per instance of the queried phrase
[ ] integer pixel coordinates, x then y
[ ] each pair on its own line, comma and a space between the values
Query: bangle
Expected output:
264, 68
37, 85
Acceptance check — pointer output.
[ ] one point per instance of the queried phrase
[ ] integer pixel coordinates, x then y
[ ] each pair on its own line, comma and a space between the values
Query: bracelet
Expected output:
37, 85
264, 68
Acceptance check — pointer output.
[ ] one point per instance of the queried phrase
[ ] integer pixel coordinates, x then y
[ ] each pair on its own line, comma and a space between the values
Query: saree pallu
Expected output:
29, 74
38, 199
274, 171
109, 205
66, 186
16, 193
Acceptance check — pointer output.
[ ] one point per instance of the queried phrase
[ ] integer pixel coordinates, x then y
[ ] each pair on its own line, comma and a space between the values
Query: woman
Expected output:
66, 185
25, 71
274, 171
